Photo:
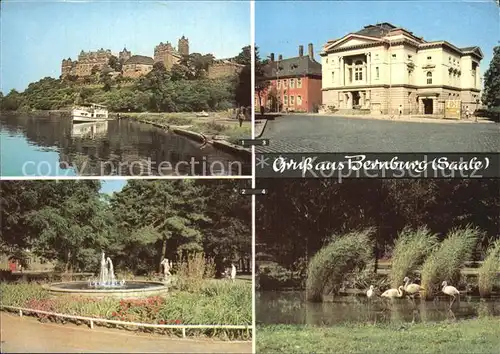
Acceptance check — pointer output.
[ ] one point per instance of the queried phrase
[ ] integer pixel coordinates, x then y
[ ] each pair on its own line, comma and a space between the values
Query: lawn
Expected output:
217, 123
467, 336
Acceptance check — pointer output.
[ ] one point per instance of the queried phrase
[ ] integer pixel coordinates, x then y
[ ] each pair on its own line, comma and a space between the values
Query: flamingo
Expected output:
450, 291
393, 293
370, 293
412, 289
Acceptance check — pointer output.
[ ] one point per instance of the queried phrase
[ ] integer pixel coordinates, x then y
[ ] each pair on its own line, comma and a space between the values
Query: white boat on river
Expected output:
89, 113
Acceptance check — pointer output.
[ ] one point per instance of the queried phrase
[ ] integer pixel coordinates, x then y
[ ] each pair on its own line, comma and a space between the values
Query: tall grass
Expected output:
446, 261
19, 294
337, 261
192, 271
410, 250
487, 274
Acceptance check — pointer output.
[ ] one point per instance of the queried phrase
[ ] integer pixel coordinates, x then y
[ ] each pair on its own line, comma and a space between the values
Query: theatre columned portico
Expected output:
383, 69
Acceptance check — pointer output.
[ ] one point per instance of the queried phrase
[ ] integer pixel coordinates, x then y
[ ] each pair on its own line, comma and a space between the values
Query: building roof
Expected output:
140, 59
229, 61
378, 30
297, 66
385, 29
468, 49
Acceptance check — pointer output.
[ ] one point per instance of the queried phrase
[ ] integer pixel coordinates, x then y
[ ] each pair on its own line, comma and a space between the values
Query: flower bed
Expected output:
219, 303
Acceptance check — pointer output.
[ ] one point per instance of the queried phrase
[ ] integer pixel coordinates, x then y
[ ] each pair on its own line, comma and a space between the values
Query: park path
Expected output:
27, 335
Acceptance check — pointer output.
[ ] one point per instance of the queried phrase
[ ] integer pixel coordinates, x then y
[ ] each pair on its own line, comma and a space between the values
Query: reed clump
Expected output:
410, 250
337, 261
448, 259
488, 272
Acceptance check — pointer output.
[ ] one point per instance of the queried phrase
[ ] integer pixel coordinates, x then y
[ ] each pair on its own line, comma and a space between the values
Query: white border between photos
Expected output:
252, 122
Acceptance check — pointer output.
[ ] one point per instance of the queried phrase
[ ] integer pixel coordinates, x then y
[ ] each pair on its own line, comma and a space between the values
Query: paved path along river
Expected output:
27, 335
309, 133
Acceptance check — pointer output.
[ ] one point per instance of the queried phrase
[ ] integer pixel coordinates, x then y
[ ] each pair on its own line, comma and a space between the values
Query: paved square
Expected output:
308, 133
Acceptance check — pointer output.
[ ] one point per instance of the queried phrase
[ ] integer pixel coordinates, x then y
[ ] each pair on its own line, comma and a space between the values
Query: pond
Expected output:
55, 146
290, 307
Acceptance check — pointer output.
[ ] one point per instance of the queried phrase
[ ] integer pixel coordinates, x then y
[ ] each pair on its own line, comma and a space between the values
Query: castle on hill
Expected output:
135, 66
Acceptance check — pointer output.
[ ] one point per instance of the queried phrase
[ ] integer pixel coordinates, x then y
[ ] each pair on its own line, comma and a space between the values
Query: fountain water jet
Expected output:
107, 277
106, 285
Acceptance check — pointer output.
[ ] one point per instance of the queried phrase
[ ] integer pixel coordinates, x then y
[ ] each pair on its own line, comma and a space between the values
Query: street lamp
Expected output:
475, 112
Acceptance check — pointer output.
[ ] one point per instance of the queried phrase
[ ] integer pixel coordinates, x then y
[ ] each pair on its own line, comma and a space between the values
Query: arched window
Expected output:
429, 78
358, 71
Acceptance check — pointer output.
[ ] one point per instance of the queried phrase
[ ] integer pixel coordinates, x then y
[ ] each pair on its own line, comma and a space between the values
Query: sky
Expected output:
36, 36
280, 26
111, 186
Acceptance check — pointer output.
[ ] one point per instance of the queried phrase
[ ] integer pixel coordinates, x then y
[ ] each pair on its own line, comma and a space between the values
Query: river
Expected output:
290, 307
40, 145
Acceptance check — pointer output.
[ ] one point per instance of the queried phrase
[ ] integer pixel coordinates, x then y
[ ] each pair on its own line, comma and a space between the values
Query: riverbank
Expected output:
468, 336
218, 129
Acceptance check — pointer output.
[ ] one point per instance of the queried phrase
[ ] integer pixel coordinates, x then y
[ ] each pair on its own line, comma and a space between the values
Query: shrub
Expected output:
446, 261
489, 269
218, 302
275, 277
192, 270
337, 261
410, 250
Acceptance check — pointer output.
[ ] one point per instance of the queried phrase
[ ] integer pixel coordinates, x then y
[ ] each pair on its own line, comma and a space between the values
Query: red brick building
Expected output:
294, 84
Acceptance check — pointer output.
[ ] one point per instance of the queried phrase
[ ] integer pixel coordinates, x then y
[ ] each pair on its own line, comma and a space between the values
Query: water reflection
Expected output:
107, 148
292, 308
89, 130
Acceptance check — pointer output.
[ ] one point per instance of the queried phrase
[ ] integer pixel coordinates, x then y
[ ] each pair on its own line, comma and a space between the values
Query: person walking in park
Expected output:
233, 272
241, 115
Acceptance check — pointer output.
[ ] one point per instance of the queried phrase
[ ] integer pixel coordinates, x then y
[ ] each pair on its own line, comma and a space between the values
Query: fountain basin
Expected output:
131, 289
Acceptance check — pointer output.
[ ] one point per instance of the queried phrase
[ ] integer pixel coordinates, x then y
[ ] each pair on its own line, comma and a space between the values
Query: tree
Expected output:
64, 220
83, 95
245, 56
243, 94
491, 94
180, 72
195, 65
298, 217
161, 217
12, 101
261, 84
159, 67
227, 237
115, 64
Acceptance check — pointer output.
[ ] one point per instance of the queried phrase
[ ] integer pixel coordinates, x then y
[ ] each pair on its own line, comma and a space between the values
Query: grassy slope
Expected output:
218, 125
470, 336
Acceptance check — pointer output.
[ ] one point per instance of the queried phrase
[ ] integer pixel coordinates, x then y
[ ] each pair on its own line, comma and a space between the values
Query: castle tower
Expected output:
124, 55
66, 67
183, 46
166, 54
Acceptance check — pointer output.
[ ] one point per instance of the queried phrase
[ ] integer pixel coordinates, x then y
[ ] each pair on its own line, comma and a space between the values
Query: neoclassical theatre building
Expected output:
383, 68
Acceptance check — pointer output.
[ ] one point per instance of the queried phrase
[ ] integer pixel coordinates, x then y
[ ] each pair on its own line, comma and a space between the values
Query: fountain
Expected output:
107, 277
106, 285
